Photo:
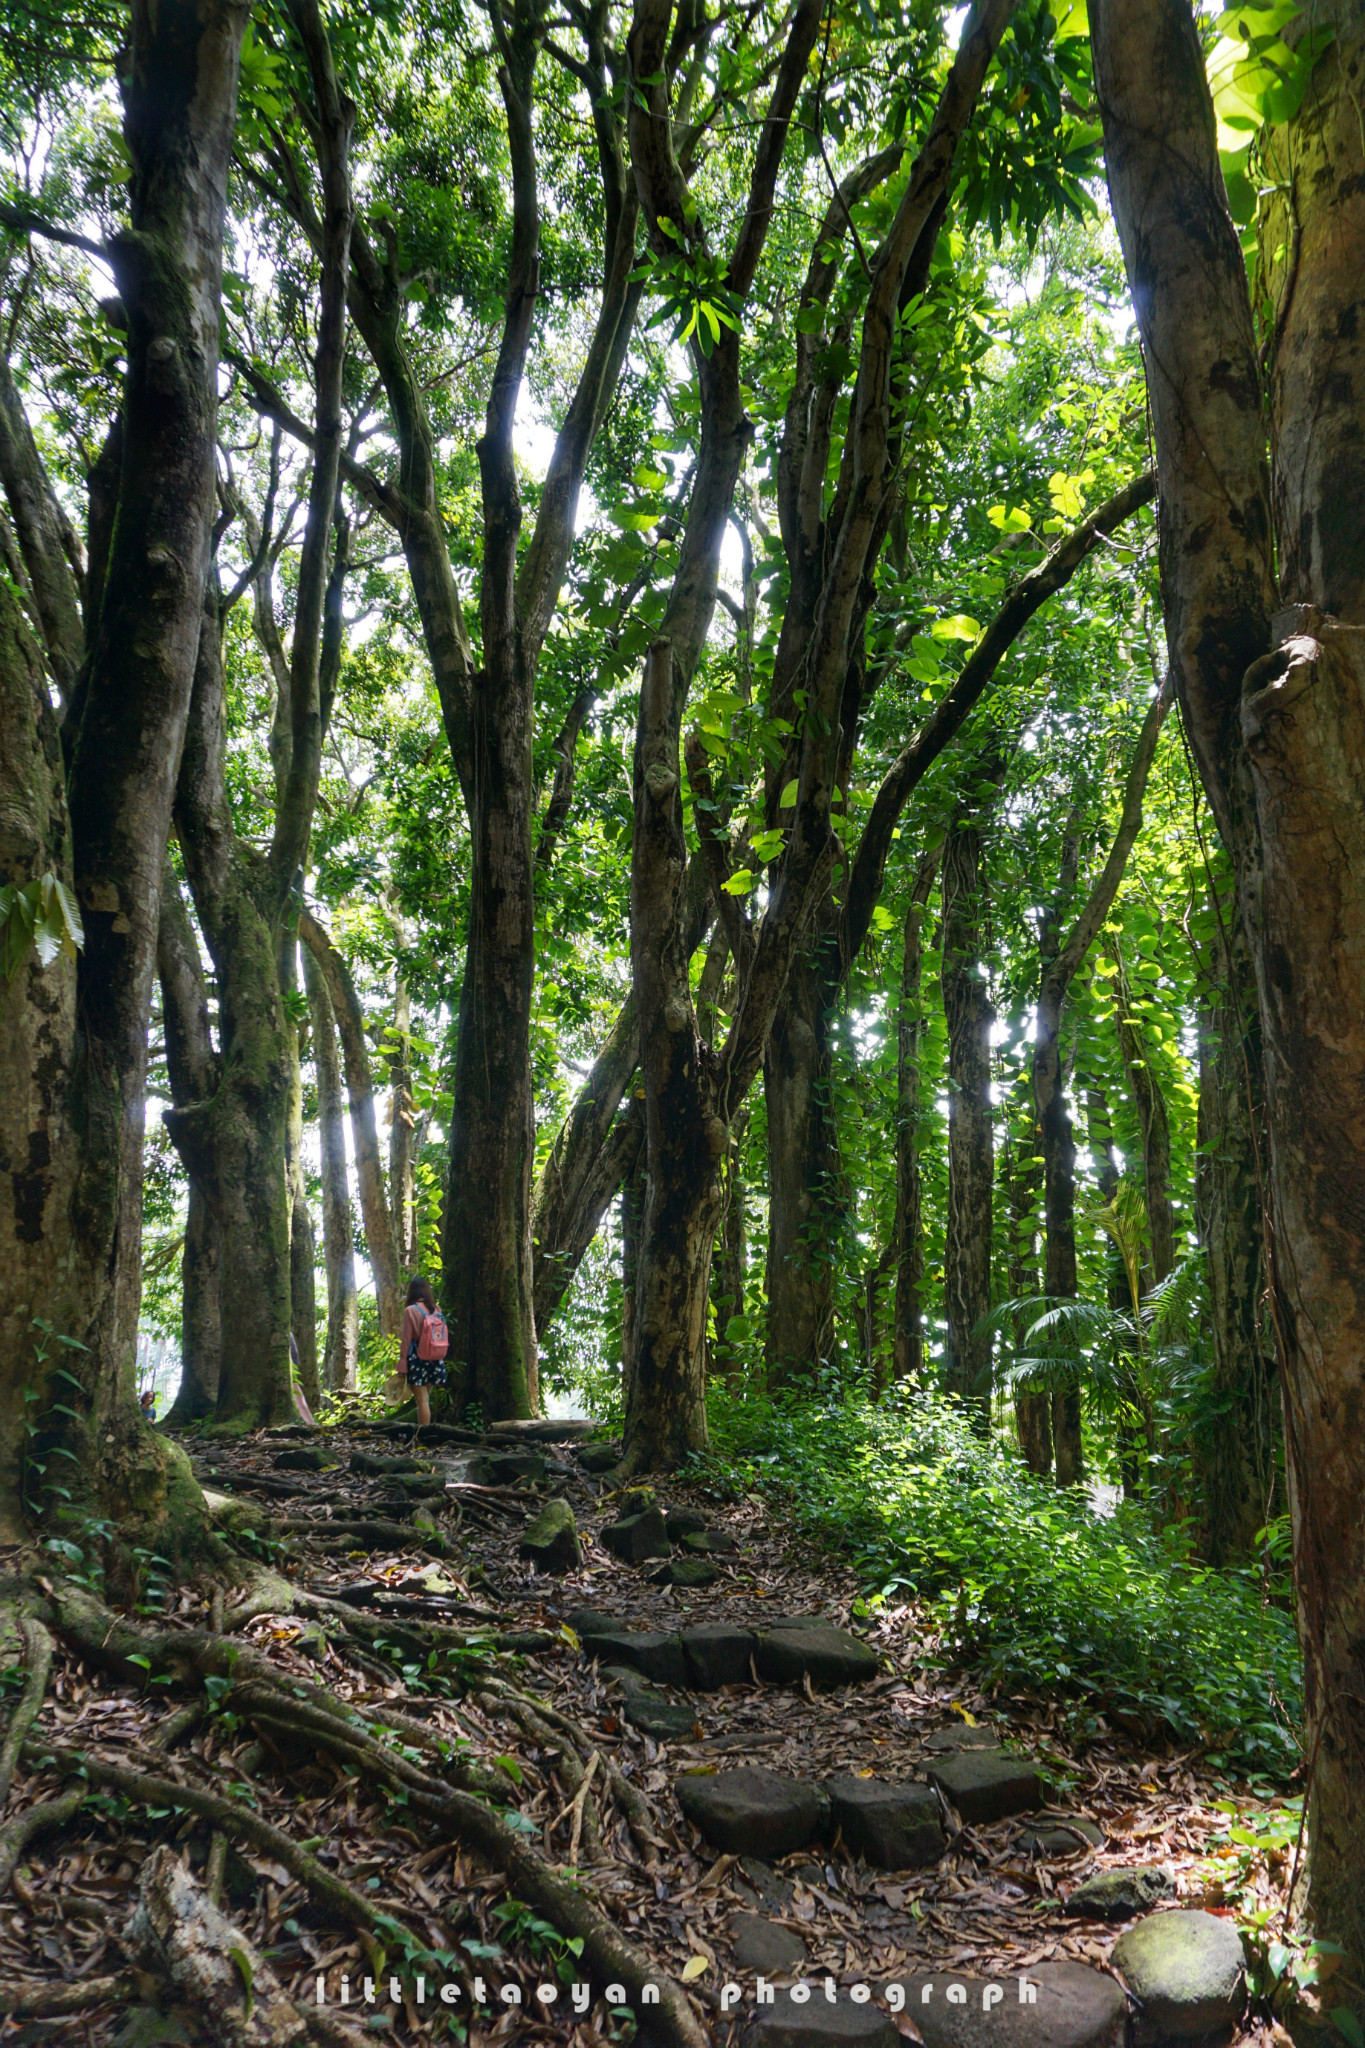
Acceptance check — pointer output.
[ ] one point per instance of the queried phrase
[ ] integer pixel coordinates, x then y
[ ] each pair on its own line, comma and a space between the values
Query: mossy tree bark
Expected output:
37, 1048
233, 1141
126, 722
1022, 1168
1237, 1455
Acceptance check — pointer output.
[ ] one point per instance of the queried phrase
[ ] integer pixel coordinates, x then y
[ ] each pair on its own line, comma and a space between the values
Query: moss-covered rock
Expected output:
1187, 1972
551, 1541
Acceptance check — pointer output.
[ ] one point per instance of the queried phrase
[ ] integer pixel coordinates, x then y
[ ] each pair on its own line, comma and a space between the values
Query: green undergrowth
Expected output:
1029, 1586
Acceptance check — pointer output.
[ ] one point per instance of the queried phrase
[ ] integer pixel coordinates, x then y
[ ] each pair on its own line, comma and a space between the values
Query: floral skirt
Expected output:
425, 1372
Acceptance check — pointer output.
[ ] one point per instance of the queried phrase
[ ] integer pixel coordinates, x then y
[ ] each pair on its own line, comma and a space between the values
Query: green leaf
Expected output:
787, 800
740, 882
242, 1962
960, 627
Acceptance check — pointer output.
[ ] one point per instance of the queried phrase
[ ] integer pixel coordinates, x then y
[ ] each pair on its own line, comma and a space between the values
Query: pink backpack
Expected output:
433, 1340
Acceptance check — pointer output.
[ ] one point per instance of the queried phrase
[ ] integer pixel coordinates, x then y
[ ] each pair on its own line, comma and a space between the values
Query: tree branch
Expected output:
910, 767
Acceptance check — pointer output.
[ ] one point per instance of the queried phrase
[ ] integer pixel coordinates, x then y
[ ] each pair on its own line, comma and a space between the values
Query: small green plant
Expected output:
39, 1450
42, 916
523, 1926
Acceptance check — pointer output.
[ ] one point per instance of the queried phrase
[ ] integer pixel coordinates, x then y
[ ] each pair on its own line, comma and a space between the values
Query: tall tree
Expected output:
690, 1100
971, 1118
1060, 958
1271, 670
343, 1328
908, 1337
193, 1068
126, 721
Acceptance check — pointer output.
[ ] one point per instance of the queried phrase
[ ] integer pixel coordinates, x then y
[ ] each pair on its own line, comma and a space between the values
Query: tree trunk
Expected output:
180, 90
1154, 1124
970, 1225
1234, 1458
804, 1221
566, 1216
1100, 1136
1059, 1217
369, 1170
194, 1076
1059, 965
47, 544
908, 1339
234, 1142
684, 1140
201, 1314
632, 1216
1278, 739
729, 1267
343, 1325
37, 1035
595, 1148
303, 1311
1023, 1171
402, 1125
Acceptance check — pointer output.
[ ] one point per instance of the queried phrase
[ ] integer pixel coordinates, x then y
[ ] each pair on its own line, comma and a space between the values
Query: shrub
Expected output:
1027, 1584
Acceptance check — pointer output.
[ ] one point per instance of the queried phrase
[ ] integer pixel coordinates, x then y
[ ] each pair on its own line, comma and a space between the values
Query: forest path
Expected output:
703, 1694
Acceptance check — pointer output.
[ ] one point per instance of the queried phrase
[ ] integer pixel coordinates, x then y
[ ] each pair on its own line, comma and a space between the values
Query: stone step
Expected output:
706, 1658
895, 1827
957, 1735
766, 1947
986, 1785
753, 1811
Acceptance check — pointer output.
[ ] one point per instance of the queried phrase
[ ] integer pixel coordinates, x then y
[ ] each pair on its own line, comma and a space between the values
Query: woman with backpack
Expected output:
422, 1346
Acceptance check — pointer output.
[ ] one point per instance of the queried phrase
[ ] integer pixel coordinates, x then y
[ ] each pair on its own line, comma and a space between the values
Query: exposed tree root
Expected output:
35, 2000
422, 1634
644, 1824
308, 1712
38, 1655
21, 1828
400, 1534
182, 1937
232, 1819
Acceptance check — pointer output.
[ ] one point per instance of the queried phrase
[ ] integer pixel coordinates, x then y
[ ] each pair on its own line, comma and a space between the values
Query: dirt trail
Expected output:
364, 1614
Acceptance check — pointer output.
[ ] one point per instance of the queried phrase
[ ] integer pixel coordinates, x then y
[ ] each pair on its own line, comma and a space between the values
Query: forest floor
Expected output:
581, 1784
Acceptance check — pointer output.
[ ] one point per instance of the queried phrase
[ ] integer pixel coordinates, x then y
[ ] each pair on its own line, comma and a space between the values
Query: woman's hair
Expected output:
420, 1290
